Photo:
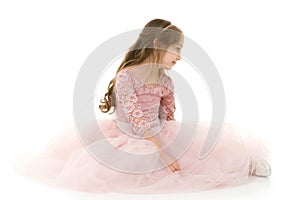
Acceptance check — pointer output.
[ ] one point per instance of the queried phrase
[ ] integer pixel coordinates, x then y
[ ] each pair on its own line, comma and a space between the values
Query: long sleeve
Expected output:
126, 95
168, 101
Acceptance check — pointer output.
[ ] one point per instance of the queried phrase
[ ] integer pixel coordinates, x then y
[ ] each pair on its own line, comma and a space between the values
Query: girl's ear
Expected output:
155, 43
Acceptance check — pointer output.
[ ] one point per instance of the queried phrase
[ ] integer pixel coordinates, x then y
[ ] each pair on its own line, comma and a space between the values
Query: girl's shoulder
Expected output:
123, 74
127, 74
126, 77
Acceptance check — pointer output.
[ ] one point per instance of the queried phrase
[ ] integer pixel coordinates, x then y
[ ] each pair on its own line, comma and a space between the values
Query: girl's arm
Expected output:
148, 135
168, 101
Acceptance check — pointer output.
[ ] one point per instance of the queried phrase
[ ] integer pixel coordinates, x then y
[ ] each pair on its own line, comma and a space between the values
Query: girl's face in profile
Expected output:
172, 55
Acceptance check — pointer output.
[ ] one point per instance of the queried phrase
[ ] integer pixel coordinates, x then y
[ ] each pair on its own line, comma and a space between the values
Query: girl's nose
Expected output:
178, 57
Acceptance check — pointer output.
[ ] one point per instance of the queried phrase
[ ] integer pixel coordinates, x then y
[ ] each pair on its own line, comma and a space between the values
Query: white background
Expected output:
255, 46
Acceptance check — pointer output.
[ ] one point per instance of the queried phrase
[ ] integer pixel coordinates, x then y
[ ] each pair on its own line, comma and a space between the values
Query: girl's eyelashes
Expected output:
176, 49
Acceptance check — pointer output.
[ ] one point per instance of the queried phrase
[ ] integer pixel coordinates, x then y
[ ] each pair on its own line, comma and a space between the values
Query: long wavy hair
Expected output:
158, 31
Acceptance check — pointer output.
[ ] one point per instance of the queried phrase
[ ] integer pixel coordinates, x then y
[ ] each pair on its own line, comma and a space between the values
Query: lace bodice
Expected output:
140, 106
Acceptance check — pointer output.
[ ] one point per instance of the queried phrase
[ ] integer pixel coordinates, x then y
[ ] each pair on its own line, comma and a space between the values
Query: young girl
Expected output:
143, 98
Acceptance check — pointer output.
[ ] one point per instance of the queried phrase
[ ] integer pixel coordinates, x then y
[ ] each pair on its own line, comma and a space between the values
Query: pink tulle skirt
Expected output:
66, 163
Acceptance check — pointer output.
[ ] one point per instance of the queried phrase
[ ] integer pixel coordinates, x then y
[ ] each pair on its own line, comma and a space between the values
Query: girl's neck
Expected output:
148, 73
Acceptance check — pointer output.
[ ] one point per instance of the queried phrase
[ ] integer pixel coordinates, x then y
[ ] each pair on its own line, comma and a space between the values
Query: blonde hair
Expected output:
142, 49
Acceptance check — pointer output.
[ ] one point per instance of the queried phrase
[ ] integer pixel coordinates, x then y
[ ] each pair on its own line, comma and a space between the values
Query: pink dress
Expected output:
67, 164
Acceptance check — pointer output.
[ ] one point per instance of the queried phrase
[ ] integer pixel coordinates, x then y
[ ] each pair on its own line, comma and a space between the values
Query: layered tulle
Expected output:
66, 163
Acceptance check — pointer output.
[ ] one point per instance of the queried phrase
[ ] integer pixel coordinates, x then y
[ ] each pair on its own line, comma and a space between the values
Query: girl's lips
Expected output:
174, 62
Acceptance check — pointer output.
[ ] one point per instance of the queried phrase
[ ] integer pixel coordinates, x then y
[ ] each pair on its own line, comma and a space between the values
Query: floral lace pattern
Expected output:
129, 91
168, 106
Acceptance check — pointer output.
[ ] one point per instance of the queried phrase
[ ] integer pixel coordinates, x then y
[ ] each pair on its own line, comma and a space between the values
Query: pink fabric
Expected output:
66, 163
140, 105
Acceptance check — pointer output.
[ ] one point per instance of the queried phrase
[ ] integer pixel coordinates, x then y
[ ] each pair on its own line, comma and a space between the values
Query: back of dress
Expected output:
139, 106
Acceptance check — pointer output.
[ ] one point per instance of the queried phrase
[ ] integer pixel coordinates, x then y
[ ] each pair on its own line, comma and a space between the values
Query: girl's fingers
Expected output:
177, 166
174, 167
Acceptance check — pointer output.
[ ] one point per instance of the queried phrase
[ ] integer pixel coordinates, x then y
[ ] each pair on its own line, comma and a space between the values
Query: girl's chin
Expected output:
168, 68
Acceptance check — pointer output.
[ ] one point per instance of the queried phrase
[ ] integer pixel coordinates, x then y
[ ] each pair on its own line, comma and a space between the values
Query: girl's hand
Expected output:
171, 162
